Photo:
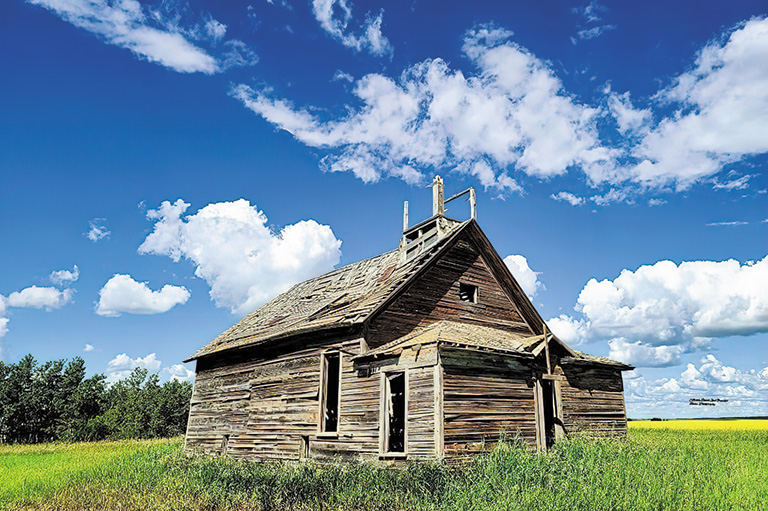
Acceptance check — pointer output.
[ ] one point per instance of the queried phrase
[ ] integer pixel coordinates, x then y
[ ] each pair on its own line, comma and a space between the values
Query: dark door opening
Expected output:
548, 411
331, 376
394, 417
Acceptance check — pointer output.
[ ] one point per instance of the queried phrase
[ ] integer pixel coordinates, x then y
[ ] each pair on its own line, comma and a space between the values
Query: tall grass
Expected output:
663, 469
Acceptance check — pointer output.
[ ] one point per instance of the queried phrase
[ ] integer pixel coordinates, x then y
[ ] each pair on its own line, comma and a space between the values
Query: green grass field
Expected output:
656, 468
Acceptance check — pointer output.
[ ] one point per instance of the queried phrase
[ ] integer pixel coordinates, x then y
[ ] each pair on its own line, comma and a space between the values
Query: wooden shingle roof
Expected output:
342, 297
461, 334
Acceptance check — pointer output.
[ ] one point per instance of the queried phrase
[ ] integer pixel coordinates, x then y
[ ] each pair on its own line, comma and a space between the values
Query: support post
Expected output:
438, 196
546, 349
405, 216
473, 203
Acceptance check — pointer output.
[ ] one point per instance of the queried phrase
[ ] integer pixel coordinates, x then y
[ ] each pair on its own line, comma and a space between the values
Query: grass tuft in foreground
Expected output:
652, 469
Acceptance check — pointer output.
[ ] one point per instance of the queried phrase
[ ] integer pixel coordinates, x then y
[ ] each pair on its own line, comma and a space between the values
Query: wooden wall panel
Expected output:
435, 296
421, 413
267, 405
485, 396
593, 400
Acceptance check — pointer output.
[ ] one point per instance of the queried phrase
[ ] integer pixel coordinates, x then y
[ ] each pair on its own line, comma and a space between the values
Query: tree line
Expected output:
55, 401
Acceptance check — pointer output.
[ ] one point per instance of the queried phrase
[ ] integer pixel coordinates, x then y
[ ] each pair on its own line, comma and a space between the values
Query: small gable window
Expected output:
468, 293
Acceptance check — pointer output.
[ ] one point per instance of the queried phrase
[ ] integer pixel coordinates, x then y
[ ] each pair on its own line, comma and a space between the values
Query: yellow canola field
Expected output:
733, 425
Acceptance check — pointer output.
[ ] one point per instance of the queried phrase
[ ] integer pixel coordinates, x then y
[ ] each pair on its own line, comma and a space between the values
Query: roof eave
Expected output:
277, 337
584, 361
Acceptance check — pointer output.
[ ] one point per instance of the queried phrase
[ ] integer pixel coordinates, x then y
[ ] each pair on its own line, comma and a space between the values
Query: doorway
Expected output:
548, 412
394, 415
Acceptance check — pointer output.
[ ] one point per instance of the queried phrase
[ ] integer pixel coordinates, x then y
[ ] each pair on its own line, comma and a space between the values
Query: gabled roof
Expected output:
343, 297
354, 294
461, 334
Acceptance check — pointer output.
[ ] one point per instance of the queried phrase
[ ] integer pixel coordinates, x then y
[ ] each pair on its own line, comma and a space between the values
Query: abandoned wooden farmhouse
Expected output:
429, 351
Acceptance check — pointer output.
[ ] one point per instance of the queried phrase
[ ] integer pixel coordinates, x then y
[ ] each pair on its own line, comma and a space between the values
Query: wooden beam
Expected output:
546, 347
439, 412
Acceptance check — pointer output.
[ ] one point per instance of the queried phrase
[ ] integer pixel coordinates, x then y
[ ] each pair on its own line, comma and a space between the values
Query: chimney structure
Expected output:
438, 196
425, 234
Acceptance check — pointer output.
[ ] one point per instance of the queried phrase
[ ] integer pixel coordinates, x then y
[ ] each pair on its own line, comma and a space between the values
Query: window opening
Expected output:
394, 417
225, 444
468, 293
329, 419
304, 447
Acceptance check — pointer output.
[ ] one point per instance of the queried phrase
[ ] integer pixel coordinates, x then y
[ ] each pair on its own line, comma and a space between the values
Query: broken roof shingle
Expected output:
463, 334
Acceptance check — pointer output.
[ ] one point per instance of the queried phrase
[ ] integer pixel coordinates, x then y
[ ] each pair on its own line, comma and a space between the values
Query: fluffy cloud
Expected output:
65, 277
243, 261
122, 365
630, 120
511, 114
124, 23
97, 230
123, 294
3, 319
653, 315
573, 200
334, 17
35, 297
178, 372
88, 347
525, 276
721, 116
746, 392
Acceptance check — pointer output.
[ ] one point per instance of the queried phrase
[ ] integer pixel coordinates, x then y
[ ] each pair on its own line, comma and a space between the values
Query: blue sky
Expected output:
166, 167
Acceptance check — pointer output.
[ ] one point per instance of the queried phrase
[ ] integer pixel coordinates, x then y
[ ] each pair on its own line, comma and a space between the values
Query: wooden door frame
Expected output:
557, 409
384, 408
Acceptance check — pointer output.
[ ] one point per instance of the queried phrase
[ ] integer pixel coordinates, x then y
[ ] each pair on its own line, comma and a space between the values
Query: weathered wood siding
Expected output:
420, 424
435, 296
485, 396
593, 400
266, 405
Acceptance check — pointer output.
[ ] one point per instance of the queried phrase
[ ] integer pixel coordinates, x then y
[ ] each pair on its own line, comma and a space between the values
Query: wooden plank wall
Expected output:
435, 296
593, 400
485, 396
421, 413
266, 405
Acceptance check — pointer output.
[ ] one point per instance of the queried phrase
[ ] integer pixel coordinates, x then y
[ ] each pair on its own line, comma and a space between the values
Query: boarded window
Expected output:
468, 293
394, 413
330, 384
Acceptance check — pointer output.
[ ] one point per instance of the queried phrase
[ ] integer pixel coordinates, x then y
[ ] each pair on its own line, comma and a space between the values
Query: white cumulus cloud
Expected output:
122, 294
88, 347
721, 116
242, 259
741, 393
524, 275
3, 319
652, 315
334, 17
122, 365
35, 297
510, 114
178, 372
65, 277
